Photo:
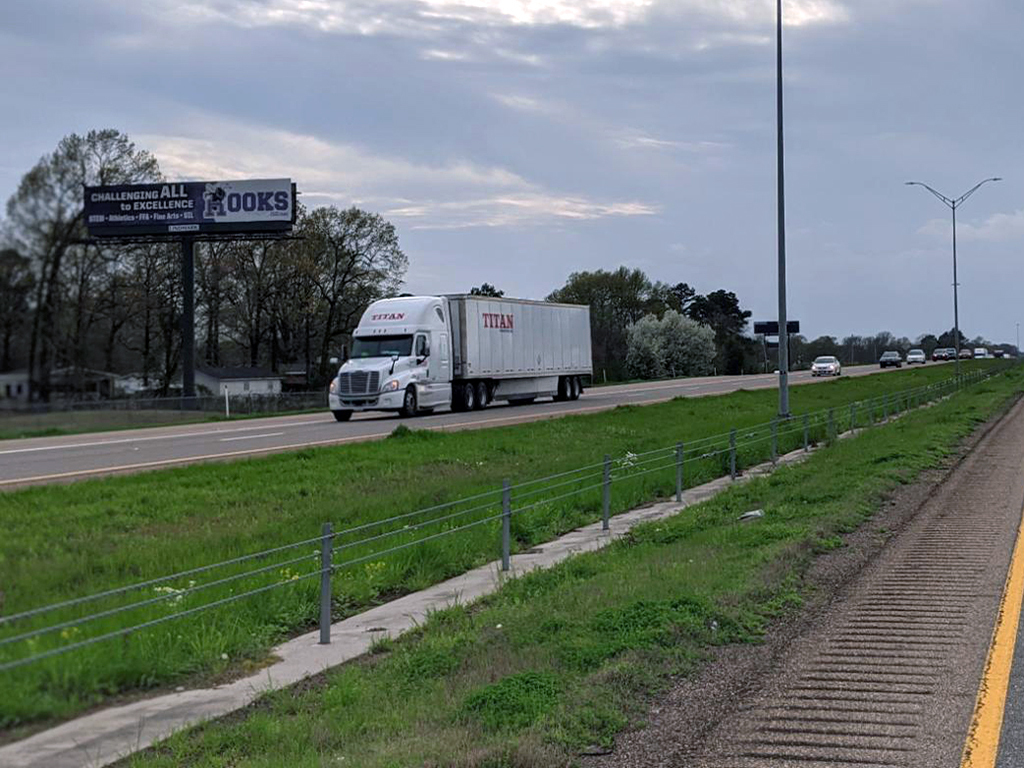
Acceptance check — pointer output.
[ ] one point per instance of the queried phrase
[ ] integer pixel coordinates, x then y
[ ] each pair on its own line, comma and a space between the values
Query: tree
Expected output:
688, 348
44, 223
16, 282
353, 258
617, 299
928, 343
948, 339
673, 345
486, 289
720, 310
645, 357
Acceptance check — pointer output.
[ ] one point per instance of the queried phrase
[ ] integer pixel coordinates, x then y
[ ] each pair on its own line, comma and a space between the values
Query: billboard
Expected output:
180, 208
771, 327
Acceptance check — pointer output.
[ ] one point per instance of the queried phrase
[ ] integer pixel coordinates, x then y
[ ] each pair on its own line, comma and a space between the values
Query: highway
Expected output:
74, 457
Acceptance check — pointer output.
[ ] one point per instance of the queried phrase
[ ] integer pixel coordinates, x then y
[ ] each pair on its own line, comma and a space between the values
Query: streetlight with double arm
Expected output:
954, 203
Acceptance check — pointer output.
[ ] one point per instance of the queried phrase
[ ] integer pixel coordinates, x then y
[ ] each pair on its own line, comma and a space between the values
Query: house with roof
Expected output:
238, 381
14, 387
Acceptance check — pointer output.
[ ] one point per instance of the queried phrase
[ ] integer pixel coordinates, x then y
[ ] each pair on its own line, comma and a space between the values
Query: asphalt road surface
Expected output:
73, 457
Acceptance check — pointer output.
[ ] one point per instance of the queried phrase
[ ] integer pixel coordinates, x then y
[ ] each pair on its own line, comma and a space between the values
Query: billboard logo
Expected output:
220, 202
496, 320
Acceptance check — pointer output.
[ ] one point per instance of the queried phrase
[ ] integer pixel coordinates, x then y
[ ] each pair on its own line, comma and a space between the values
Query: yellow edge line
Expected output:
982, 745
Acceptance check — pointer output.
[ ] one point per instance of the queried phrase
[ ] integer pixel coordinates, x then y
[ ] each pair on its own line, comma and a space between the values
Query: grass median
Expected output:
62, 542
560, 661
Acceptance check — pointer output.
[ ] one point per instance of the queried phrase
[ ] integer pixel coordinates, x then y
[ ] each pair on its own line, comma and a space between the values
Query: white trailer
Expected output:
417, 353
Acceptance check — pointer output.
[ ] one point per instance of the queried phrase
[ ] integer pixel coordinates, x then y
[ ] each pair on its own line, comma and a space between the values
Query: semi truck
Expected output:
413, 354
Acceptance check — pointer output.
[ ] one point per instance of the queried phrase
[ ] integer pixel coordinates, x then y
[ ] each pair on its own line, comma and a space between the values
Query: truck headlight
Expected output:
391, 386
334, 386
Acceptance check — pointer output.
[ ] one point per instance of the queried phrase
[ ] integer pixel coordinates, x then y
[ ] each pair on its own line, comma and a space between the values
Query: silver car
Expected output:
826, 365
916, 356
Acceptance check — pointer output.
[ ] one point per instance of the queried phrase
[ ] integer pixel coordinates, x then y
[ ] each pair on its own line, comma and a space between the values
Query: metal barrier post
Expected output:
679, 472
831, 424
506, 521
775, 440
806, 433
326, 545
732, 453
606, 493
853, 416
885, 407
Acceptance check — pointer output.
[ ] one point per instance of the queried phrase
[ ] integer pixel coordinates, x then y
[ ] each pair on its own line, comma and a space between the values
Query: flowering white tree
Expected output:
671, 346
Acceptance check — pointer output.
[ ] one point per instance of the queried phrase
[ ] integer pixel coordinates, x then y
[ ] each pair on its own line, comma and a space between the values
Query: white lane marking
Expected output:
524, 418
615, 390
250, 437
122, 441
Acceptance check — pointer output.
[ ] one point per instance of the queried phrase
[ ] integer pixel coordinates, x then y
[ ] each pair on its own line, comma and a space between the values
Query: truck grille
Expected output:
358, 383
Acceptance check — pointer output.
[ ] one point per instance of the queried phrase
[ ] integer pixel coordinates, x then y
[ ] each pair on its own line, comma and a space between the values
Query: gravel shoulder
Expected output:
731, 713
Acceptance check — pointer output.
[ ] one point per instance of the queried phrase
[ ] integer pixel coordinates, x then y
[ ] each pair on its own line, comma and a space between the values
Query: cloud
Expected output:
524, 208
644, 141
457, 194
419, 17
997, 228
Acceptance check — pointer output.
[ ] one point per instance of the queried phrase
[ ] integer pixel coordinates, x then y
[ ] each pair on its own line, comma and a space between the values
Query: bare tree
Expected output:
44, 220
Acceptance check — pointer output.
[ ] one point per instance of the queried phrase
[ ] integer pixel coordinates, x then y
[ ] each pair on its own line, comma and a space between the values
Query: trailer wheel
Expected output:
561, 395
579, 387
342, 415
481, 395
469, 396
409, 402
571, 392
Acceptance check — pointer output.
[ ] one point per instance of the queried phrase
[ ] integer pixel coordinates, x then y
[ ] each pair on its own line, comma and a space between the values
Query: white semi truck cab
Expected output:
416, 353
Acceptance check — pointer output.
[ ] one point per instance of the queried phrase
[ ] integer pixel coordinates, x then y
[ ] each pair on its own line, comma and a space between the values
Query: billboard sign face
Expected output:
254, 205
771, 327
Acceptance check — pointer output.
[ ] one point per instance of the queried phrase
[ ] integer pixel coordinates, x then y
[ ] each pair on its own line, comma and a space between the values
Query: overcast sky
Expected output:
516, 141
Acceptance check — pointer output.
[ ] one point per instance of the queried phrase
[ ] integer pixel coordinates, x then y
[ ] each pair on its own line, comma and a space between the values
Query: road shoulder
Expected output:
702, 719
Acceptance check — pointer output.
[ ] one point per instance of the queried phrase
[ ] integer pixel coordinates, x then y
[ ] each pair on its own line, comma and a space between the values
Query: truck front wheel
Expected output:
342, 415
409, 402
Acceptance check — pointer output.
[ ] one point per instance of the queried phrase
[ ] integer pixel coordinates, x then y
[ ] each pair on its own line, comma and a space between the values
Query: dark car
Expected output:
941, 353
890, 358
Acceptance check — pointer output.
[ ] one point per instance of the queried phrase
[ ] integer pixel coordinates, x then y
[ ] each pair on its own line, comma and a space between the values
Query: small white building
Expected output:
238, 381
14, 387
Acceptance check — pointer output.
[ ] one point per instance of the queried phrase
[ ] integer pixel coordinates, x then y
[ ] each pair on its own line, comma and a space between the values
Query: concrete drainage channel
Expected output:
891, 677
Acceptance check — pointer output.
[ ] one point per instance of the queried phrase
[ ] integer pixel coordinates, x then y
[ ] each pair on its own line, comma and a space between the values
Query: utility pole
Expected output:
783, 332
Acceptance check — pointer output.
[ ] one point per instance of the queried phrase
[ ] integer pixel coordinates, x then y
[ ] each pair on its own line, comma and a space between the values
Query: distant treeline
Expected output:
291, 305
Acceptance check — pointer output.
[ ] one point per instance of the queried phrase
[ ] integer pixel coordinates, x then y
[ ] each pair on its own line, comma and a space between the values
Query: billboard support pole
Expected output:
188, 336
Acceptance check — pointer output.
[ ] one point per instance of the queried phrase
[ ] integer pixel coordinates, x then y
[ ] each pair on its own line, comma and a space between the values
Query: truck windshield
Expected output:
381, 346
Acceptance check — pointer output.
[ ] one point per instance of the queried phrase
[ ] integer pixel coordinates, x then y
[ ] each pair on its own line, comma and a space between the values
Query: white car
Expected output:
980, 352
916, 356
826, 365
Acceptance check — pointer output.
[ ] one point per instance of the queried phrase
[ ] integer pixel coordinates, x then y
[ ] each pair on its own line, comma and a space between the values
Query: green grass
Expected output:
63, 541
563, 659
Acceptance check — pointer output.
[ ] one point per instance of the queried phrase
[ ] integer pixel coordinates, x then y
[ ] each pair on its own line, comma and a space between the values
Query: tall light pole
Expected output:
953, 204
783, 331
1018, 339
